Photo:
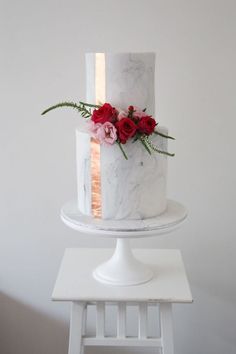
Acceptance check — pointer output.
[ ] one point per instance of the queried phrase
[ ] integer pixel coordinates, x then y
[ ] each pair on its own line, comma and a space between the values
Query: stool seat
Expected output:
75, 281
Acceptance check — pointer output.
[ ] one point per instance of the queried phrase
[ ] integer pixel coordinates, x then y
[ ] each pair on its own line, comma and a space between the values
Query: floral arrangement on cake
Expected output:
111, 125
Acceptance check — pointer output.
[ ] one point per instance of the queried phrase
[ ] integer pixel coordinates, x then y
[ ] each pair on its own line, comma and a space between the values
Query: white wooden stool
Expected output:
75, 283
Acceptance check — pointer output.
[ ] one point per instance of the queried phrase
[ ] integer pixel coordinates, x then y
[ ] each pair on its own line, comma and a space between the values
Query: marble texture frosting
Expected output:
129, 79
134, 188
130, 189
83, 165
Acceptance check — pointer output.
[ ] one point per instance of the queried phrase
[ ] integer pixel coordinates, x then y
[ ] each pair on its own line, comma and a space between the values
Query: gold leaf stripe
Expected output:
95, 146
96, 179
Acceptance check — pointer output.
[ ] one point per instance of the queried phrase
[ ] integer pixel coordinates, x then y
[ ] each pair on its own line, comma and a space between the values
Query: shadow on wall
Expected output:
24, 330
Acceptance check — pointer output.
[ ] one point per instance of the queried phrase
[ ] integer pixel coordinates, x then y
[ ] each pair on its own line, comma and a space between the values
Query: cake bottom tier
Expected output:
111, 187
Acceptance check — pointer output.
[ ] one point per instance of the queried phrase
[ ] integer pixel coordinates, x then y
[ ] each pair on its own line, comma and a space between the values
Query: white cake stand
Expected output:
123, 269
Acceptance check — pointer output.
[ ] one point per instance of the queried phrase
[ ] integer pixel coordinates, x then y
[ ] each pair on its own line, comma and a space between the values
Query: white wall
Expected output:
42, 62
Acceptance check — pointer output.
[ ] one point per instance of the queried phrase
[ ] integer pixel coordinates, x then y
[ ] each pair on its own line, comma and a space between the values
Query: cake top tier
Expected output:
122, 79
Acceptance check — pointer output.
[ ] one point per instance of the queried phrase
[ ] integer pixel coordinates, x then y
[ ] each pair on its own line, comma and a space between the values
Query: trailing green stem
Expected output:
61, 104
90, 105
81, 108
155, 148
143, 141
163, 135
122, 150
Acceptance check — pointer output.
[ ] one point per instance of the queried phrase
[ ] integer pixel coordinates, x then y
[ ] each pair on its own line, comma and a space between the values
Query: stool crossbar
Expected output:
79, 339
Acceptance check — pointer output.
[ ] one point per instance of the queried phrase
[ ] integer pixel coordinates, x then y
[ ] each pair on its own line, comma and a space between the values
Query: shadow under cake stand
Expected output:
123, 269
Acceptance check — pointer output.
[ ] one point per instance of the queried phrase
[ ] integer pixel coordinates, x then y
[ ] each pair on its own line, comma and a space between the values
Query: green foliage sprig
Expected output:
151, 146
85, 109
163, 135
144, 143
148, 144
122, 149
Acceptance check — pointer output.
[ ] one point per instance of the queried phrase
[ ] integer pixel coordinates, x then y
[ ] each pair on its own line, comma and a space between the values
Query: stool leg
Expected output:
76, 328
84, 323
166, 328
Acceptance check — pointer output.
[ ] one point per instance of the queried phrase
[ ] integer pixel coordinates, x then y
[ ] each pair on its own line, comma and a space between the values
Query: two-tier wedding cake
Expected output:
121, 150
110, 186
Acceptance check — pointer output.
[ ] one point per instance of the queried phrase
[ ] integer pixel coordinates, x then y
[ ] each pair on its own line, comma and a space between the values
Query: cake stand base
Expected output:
123, 269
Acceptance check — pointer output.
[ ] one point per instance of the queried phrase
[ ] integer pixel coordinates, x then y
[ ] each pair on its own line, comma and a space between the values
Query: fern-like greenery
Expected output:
144, 143
149, 144
163, 135
85, 109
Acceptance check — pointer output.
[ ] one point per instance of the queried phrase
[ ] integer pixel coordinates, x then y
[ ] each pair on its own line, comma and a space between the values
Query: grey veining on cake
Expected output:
130, 80
130, 189
133, 188
83, 162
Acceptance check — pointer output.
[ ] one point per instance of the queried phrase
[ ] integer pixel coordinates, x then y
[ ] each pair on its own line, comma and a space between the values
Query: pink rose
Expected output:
93, 128
122, 114
105, 133
138, 113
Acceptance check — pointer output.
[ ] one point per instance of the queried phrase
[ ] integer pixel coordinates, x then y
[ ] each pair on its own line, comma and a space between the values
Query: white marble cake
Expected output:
133, 188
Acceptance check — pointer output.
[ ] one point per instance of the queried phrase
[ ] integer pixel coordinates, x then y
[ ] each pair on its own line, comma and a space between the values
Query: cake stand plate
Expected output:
123, 269
172, 217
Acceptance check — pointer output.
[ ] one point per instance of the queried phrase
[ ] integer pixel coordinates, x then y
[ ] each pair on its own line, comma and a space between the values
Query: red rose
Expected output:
126, 128
146, 125
105, 113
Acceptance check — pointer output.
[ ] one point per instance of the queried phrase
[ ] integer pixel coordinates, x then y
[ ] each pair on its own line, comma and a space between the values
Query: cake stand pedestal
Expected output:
123, 269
